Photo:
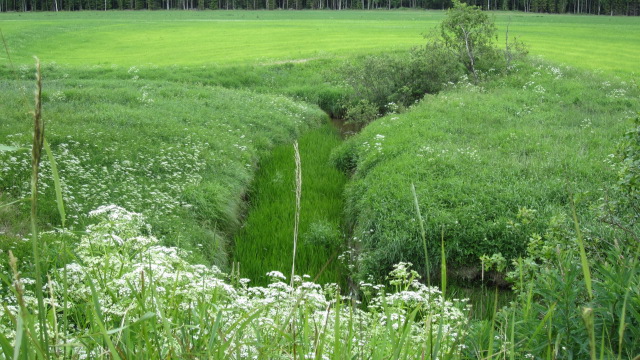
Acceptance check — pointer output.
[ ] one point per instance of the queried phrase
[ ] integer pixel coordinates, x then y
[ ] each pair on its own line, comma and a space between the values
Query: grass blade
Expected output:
98, 316
622, 324
56, 182
583, 254
443, 266
13, 202
9, 148
7, 350
422, 234
18, 340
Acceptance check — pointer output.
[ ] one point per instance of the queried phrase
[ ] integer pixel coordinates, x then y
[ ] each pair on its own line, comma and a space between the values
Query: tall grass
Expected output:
264, 242
110, 149
491, 163
129, 296
36, 154
296, 222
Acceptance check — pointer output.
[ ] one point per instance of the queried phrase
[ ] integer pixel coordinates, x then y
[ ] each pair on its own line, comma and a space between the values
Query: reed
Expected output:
36, 154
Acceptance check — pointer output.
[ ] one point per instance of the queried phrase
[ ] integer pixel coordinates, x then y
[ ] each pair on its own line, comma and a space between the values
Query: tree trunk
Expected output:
472, 66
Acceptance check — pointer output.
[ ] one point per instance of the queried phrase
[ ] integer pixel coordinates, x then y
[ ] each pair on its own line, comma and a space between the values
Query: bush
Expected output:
469, 33
382, 84
362, 113
465, 41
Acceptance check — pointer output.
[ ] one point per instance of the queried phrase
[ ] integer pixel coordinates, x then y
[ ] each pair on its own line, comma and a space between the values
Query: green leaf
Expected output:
56, 183
9, 148
144, 317
18, 339
13, 202
7, 350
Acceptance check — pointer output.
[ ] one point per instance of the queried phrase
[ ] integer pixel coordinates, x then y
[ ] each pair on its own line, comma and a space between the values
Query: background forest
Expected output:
595, 7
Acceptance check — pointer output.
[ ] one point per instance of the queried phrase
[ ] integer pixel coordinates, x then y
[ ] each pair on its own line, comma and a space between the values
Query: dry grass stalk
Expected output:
298, 197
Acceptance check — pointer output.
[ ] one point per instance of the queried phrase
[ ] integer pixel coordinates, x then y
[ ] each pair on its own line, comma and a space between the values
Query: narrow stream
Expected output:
265, 242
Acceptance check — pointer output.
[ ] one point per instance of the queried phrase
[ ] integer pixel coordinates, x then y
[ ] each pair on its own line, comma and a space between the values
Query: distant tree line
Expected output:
599, 7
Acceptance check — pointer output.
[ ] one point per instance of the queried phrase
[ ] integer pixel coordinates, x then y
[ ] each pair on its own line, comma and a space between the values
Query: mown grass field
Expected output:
256, 37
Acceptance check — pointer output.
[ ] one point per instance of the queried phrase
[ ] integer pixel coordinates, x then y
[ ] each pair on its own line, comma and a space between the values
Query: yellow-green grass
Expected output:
591, 42
256, 37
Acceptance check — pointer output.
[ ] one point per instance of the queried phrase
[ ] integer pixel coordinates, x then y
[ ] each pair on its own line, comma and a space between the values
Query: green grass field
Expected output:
186, 118
257, 37
491, 165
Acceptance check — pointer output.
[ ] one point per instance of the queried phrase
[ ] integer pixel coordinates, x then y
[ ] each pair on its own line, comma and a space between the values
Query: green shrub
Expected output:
362, 113
383, 84
469, 33
552, 297
623, 208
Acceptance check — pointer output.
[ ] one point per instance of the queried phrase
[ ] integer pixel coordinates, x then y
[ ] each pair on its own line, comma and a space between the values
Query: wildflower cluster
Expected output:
85, 185
125, 278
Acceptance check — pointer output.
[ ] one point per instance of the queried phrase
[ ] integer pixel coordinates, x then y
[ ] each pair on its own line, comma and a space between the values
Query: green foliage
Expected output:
489, 189
625, 211
470, 34
555, 311
136, 297
109, 149
630, 162
324, 234
384, 84
361, 113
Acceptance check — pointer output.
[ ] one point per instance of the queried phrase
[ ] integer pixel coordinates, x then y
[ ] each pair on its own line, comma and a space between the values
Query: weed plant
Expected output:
129, 296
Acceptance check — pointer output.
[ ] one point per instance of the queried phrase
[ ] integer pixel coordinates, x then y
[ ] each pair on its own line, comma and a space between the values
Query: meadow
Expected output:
172, 135
191, 38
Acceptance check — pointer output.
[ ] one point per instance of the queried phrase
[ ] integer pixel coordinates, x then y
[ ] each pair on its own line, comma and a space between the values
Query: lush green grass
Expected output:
491, 165
248, 37
266, 239
183, 155
165, 141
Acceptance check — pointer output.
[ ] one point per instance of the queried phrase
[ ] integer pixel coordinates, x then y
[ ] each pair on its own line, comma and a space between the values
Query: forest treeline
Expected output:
596, 7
